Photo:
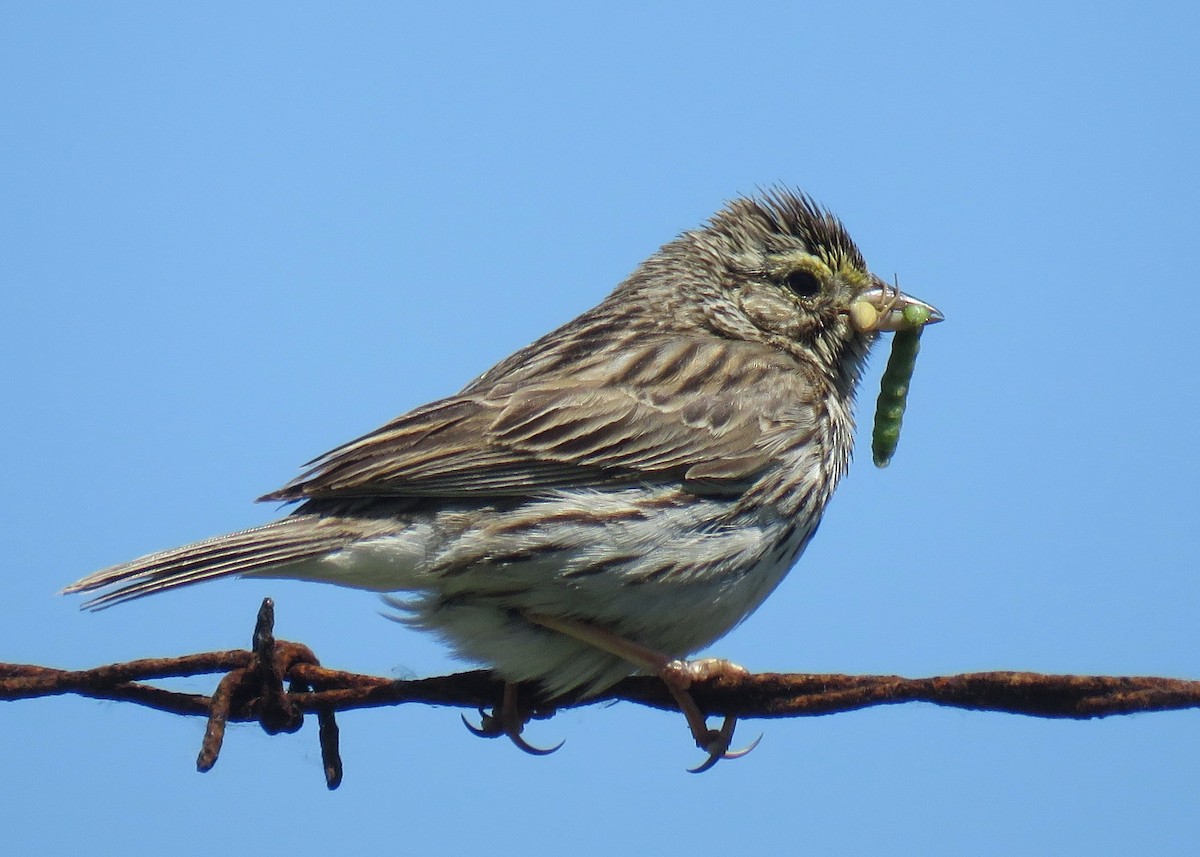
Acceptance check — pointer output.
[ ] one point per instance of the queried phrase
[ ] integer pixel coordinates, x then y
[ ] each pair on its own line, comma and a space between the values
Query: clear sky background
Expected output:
234, 235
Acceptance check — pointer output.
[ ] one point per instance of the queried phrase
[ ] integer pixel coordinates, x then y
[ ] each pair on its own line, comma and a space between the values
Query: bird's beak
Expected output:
881, 308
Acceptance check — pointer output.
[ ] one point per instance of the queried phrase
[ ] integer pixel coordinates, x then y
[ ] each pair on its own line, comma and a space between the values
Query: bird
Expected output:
613, 497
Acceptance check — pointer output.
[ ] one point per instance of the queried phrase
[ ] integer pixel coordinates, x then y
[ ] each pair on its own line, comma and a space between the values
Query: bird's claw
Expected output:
507, 720
522, 744
679, 676
487, 727
716, 743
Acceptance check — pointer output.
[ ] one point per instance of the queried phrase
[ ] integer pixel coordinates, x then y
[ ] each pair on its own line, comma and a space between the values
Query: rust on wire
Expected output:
218, 716
253, 689
256, 691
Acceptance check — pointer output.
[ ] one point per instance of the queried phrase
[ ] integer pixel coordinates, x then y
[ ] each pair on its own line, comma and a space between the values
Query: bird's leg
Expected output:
677, 675
508, 718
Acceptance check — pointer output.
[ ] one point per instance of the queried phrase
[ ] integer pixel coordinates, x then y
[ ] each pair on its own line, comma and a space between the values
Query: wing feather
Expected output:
685, 413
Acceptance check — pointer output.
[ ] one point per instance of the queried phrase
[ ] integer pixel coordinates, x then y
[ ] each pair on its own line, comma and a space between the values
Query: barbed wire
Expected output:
252, 690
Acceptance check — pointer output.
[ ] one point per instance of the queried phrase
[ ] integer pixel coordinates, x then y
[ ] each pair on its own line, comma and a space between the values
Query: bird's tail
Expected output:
267, 551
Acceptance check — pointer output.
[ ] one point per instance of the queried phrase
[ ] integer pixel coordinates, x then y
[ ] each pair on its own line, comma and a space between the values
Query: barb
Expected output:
252, 690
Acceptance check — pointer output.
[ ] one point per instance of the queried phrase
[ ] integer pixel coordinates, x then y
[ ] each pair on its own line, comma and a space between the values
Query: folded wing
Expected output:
684, 420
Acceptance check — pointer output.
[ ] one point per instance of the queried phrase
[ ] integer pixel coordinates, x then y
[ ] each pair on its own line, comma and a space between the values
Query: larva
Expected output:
893, 387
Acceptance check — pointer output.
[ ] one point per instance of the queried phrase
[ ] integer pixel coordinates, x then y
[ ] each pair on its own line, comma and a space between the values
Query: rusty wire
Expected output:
252, 690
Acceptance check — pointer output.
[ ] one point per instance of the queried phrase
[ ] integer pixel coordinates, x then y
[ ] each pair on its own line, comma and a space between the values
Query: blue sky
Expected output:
235, 235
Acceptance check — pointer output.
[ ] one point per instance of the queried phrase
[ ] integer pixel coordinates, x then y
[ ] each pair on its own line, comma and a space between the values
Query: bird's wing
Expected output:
711, 419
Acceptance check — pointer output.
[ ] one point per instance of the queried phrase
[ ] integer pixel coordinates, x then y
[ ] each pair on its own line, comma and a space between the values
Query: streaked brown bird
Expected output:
613, 497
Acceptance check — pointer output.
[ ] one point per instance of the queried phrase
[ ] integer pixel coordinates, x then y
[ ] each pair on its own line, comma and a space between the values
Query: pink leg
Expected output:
678, 675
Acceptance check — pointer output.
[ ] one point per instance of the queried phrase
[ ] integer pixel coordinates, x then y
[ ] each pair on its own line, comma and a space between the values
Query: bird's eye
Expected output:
803, 282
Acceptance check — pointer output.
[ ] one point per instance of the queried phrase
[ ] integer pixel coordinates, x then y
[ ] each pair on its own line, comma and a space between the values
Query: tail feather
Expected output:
291, 540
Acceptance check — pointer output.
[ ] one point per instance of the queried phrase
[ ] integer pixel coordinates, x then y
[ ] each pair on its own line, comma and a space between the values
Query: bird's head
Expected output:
780, 269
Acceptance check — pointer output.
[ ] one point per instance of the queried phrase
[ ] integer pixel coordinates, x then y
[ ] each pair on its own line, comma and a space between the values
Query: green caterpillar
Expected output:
893, 387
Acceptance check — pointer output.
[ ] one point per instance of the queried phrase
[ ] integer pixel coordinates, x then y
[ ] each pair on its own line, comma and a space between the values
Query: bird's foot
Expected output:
678, 676
509, 718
